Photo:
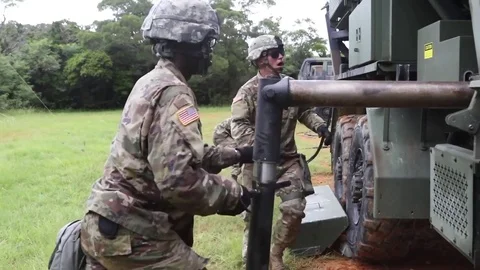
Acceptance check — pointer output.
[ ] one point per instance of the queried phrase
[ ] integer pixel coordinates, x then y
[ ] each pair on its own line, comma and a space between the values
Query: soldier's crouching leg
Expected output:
128, 250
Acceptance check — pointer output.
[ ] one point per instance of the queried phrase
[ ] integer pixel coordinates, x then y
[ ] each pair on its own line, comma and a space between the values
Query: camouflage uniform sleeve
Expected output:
222, 135
219, 157
175, 154
310, 118
243, 130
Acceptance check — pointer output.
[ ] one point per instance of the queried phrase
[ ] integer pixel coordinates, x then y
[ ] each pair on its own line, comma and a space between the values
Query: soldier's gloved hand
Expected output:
242, 205
246, 154
325, 133
214, 170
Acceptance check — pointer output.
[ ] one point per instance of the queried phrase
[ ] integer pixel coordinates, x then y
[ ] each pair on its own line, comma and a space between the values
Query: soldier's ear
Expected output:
263, 60
259, 62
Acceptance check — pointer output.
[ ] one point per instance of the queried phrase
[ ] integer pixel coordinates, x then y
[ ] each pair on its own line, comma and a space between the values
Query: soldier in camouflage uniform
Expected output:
140, 213
222, 136
266, 54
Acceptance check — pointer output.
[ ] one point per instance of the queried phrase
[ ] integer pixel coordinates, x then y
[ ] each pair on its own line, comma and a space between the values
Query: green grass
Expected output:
49, 162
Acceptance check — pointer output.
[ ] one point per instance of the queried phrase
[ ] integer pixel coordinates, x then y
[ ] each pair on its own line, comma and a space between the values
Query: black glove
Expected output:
214, 170
323, 132
241, 206
246, 154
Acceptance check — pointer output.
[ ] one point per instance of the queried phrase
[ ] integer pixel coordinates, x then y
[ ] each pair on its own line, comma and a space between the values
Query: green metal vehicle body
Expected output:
406, 176
317, 68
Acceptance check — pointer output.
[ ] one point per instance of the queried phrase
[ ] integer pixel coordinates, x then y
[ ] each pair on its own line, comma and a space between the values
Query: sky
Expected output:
85, 12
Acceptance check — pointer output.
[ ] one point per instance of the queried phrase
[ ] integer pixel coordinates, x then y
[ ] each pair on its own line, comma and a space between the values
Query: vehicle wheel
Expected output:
378, 240
341, 149
369, 238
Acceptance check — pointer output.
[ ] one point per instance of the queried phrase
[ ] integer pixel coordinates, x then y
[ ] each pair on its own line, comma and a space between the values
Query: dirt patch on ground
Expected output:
414, 262
342, 263
323, 179
418, 260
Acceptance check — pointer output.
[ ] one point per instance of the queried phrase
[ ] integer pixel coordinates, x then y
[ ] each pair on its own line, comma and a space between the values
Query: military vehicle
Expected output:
405, 154
399, 170
317, 68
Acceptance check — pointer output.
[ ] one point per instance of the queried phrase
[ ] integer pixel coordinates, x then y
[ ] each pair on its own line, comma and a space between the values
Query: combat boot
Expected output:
276, 258
285, 231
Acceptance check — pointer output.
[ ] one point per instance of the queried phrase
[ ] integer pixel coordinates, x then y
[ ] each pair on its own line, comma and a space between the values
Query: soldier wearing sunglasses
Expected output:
266, 53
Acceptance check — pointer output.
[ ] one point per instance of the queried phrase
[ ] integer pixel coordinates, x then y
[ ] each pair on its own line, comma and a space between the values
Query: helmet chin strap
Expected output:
203, 56
275, 72
203, 65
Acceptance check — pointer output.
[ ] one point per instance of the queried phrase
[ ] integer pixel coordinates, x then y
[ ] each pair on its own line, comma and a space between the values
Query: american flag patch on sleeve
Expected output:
188, 115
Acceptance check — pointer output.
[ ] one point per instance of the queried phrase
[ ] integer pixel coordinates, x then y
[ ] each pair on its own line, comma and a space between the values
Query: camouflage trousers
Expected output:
129, 250
291, 208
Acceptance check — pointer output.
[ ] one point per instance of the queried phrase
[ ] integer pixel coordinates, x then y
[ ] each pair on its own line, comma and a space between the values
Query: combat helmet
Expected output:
259, 46
189, 21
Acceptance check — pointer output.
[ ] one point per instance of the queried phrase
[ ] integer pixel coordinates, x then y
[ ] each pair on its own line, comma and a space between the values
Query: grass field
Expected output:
49, 162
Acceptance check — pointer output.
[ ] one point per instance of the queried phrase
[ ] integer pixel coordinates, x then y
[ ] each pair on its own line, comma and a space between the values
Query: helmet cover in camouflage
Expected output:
187, 21
262, 43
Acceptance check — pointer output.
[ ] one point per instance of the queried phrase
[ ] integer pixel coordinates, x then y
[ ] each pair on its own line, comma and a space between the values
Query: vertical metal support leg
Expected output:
475, 14
402, 74
266, 156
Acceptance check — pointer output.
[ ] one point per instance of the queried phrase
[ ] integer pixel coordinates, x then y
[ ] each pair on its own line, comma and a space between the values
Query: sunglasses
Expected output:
275, 53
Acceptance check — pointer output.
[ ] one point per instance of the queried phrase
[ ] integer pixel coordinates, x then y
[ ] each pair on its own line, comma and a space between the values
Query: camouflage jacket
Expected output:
244, 106
155, 178
222, 134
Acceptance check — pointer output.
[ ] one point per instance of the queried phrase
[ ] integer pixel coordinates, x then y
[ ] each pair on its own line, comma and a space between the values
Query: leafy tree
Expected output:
95, 66
14, 91
88, 75
138, 8
303, 42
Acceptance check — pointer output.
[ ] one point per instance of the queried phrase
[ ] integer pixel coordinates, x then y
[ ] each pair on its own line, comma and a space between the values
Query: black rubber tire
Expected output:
368, 238
342, 140
378, 240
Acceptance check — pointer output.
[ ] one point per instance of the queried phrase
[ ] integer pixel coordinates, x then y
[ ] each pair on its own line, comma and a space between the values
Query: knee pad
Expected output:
293, 207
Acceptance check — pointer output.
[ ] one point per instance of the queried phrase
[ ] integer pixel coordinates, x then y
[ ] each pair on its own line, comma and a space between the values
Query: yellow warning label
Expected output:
428, 51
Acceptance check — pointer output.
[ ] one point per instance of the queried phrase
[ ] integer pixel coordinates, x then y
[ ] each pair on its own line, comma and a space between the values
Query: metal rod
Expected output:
334, 48
266, 154
260, 230
389, 94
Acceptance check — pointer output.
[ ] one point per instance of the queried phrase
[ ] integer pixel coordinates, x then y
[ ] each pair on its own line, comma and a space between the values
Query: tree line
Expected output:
64, 65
